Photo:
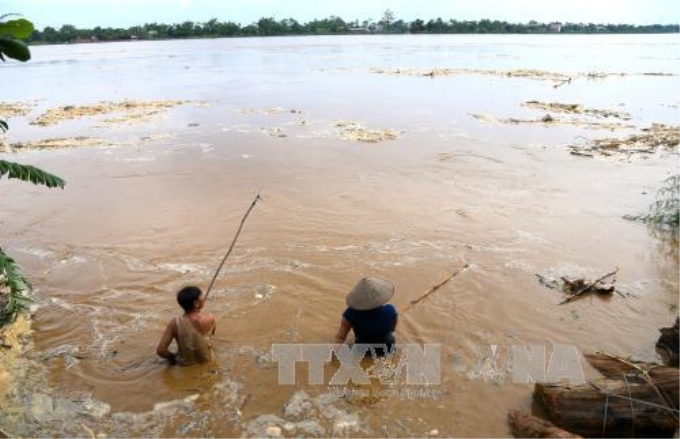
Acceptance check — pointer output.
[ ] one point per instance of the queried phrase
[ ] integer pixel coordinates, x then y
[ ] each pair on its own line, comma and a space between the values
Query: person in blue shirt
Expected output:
368, 314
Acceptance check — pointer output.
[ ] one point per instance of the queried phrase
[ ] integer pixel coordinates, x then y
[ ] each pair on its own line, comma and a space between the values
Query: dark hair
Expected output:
187, 296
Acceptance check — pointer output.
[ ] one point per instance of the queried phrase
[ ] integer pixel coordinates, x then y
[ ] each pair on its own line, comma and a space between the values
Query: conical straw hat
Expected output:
369, 293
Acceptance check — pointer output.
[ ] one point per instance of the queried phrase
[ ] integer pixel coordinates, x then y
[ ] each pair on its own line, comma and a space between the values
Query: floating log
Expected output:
665, 378
608, 408
526, 425
669, 342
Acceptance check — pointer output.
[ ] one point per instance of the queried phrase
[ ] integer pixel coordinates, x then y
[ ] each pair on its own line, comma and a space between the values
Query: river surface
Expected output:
140, 219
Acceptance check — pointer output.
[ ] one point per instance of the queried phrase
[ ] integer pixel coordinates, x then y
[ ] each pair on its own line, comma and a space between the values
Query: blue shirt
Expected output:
373, 326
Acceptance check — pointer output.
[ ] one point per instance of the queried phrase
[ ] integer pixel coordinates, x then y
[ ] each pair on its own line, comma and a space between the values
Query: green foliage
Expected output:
14, 49
20, 28
268, 26
13, 290
665, 211
10, 33
29, 173
13, 286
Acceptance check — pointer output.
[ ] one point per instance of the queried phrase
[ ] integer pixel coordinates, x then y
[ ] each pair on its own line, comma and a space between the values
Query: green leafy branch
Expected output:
11, 32
30, 173
664, 212
666, 208
13, 289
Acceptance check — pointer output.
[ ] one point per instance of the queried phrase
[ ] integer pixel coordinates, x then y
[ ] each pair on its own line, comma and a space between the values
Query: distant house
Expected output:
555, 26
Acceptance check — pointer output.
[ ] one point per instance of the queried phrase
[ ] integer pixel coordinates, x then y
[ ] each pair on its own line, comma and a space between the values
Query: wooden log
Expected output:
669, 342
608, 408
526, 425
665, 378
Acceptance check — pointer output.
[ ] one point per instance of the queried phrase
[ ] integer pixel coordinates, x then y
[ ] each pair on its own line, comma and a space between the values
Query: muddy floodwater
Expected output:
372, 159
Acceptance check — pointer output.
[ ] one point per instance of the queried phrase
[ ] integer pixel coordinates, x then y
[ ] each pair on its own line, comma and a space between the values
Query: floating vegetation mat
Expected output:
558, 107
520, 73
549, 120
557, 77
61, 143
133, 111
14, 109
354, 131
647, 141
268, 111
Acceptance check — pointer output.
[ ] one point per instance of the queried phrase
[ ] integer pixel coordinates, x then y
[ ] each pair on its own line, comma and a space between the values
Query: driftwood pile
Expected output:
634, 399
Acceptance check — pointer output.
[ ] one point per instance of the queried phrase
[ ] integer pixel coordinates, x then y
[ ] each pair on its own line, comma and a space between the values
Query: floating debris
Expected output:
520, 73
134, 109
61, 143
549, 120
269, 111
132, 118
558, 107
648, 141
356, 132
579, 286
558, 78
274, 132
484, 117
14, 109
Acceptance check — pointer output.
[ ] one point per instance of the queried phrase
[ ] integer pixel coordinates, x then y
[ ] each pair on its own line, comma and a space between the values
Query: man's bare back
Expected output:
191, 331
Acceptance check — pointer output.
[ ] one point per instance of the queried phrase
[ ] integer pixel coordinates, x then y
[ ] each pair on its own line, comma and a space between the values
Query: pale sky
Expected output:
125, 13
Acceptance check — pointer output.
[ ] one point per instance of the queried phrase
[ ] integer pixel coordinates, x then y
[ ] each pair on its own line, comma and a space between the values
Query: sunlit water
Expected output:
137, 221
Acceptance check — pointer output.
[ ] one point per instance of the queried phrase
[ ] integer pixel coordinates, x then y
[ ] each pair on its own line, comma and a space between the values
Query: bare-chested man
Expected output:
191, 330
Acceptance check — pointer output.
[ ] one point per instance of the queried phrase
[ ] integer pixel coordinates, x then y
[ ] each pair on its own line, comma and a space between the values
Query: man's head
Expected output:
189, 298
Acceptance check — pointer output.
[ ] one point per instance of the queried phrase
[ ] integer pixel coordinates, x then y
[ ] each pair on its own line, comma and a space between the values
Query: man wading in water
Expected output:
192, 330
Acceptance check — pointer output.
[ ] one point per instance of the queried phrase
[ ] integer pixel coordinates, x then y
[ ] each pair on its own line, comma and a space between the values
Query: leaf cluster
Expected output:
11, 31
30, 173
666, 208
13, 290
664, 213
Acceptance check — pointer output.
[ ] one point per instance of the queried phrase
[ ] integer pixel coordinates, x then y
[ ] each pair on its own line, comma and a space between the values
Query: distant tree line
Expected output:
333, 25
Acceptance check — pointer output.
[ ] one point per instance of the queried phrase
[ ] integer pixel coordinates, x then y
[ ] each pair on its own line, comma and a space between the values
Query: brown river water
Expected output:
157, 210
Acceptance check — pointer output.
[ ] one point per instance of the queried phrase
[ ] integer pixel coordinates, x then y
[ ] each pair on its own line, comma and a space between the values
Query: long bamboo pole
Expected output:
231, 247
422, 297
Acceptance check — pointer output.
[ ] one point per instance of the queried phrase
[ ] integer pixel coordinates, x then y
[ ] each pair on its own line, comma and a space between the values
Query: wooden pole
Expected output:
231, 247
422, 297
